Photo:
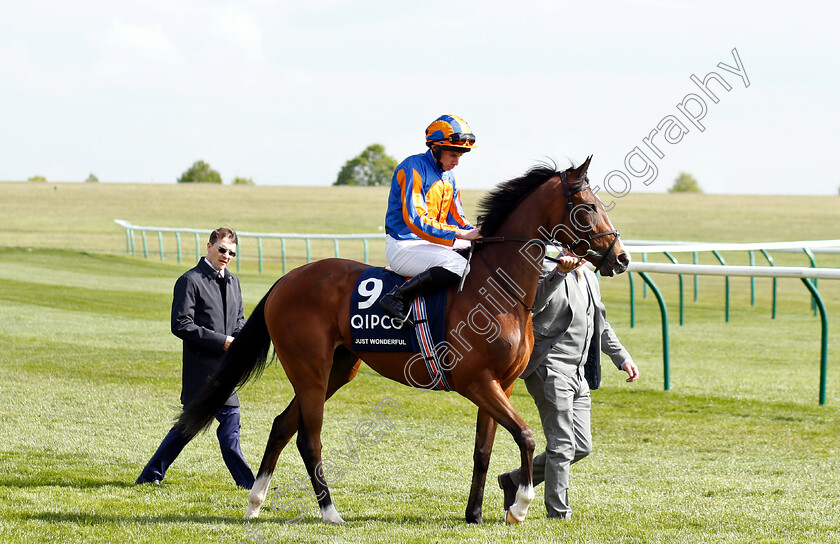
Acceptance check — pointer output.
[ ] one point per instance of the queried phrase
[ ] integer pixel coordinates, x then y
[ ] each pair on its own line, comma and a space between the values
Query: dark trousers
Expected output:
228, 433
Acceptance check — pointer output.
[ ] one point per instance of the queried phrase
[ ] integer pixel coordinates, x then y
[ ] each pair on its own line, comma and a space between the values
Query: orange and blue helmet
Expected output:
450, 132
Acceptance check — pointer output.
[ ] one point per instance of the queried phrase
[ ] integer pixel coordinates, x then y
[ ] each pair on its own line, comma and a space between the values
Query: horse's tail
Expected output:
244, 360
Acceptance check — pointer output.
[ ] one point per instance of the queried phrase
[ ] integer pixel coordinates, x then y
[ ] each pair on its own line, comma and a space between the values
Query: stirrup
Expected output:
408, 321
391, 311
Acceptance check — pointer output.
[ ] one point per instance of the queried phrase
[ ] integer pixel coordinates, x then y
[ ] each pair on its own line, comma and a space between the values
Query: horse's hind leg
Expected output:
282, 430
345, 366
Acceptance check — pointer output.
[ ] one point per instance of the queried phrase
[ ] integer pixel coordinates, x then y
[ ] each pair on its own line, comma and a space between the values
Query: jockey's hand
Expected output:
568, 263
467, 234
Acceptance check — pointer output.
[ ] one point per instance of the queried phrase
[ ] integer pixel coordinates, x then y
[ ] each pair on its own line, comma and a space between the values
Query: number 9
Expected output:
370, 288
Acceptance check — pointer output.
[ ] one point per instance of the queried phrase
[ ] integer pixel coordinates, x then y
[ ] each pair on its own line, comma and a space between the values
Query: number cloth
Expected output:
374, 330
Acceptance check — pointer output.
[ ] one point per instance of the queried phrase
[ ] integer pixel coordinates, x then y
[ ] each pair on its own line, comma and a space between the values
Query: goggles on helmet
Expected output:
459, 137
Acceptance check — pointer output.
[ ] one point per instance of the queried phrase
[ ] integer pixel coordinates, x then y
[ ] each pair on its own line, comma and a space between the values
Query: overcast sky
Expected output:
286, 92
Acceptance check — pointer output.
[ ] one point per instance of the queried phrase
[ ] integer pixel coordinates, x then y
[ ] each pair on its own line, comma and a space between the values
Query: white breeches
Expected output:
411, 257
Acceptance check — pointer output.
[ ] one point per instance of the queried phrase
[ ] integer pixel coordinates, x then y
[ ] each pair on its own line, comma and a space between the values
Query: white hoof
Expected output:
256, 497
330, 515
253, 511
519, 509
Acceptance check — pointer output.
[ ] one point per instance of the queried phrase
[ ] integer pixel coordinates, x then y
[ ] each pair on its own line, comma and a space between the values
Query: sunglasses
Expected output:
459, 137
223, 250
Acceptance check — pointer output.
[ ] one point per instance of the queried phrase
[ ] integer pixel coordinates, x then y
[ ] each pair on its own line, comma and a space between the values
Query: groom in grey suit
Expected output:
570, 332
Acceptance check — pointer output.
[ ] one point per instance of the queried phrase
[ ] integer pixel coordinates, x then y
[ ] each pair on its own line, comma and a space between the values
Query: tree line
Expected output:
373, 167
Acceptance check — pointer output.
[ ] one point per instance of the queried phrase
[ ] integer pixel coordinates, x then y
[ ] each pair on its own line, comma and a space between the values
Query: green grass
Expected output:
737, 451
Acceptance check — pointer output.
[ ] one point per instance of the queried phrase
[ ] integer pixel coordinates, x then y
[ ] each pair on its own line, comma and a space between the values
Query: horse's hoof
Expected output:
510, 520
330, 515
475, 520
252, 512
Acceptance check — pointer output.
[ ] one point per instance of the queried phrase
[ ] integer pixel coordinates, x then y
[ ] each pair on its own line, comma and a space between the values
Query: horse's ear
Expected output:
580, 171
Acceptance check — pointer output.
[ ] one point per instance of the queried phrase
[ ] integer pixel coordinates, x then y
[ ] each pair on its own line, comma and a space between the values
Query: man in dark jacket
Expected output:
207, 313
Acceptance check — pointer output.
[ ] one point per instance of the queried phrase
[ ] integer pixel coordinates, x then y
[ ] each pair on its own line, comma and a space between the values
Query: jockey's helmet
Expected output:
450, 132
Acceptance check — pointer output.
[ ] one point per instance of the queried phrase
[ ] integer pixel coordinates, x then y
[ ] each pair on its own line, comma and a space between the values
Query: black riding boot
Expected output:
398, 302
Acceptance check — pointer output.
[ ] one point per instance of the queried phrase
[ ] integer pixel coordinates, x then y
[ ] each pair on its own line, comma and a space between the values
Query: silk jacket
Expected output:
424, 202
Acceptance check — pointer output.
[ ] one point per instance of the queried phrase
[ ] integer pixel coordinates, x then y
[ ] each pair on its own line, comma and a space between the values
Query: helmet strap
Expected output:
436, 154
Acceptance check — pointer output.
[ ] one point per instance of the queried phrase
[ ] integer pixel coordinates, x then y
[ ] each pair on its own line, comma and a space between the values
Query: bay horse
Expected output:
306, 317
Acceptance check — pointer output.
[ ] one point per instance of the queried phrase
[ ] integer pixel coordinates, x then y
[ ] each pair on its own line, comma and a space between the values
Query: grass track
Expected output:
738, 451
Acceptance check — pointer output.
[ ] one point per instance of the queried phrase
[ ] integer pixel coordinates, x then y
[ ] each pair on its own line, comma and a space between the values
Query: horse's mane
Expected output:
498, 204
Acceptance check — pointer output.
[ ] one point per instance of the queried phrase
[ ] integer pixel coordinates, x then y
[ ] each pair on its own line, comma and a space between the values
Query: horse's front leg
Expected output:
492, 400
524, 438
485, 434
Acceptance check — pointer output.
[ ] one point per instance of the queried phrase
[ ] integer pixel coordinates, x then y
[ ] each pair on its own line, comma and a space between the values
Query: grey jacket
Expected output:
553, 314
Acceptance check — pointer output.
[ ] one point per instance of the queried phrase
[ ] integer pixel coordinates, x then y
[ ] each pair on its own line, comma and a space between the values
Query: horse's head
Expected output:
585, 228
555, 207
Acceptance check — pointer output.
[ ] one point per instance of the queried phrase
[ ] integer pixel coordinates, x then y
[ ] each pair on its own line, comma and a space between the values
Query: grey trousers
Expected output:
565, 409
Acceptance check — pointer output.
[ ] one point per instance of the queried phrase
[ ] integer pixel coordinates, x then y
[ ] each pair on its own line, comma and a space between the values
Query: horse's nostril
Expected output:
623, 259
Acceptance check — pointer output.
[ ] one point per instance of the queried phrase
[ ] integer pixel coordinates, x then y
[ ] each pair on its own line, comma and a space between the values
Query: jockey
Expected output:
425, 222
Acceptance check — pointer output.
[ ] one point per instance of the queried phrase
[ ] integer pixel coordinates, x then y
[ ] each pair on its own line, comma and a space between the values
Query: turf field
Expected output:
738, 451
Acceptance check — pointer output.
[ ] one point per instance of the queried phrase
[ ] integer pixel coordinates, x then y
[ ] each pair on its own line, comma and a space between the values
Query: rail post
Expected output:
695, 278
824, 335
723, 263
770, 261
673, 260
663, 310
813, 260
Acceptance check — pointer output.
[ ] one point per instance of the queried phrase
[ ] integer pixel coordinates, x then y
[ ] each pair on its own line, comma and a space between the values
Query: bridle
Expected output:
587, 240
588, 237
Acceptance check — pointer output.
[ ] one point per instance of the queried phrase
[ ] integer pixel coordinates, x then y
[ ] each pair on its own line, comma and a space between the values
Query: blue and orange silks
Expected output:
424, 202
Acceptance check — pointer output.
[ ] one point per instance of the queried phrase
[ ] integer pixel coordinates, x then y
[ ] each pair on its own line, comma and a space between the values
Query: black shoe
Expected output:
396, 305
141, 480
509, 488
